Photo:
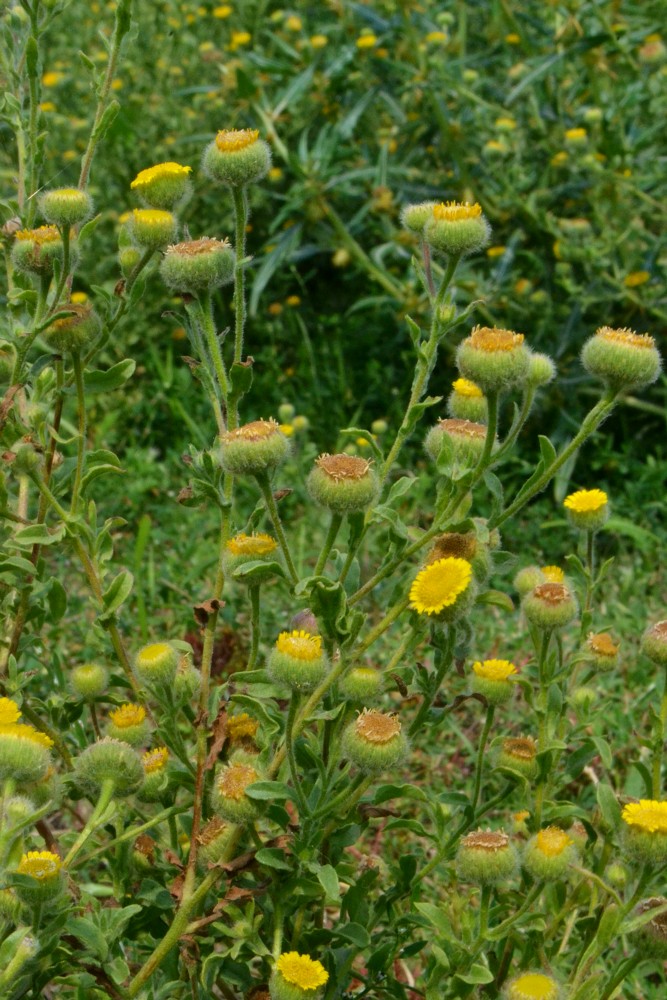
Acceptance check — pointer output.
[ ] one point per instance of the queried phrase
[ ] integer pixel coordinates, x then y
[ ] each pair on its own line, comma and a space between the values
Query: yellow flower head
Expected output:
466, 388
453, 211
232, 140
553, 574
494, 670
300, 645
151, 216
586, 501
377, 727
159, 172
647, 814
155, 760
302, 970
235, 778
491, 339
439, 585
636, 278
42, 865
242, 726
252, 545
222, 12
552, 841
20, 732
41, 235
9, 712
533, 986
128, 715
621, 336
367, 41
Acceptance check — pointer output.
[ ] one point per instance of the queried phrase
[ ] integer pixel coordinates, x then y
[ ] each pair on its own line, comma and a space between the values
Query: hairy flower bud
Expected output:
237, 157
212, 840
652, 936
128, 258
66, 206
533, 986
163, 185
462, 440
198, 265
257, 447
152, 228
486, 857
24, 750
74, 332
241, 550
228, 797
494, 359
457, 229
541, 370
467, 402
518, 753
528, 578
361, 684
587, 510
157, 664
415, 217
297, 660
374, 741
89, 680
44, 878
550, 605
156, 778
109, 760
549, 853
494, 680
601, 650
654, 643
35, 250
343, 483
128, 723
621, 358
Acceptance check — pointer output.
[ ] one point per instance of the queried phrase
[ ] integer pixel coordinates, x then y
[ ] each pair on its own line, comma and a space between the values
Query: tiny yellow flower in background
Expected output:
494, 670
505, 123
496, 251
436, 36
222, 12
559, 159
78, 298
586, 501
51, 79
300, 645
439, 585
648, 815
465, 387
42, 865
9, 712
366, 41
275, 174
318, 41
302, 970
294, 23
240, 38
576, 136
513, 38
293, 301
47, 106
636, 278
116, 84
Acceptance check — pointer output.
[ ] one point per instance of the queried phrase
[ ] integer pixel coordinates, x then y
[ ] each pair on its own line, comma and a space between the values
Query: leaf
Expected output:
105, 381
609, 807
407, 791
117, 593
497, 599
90, 936
57, 599
438, 918
268, 791
328, 879
477, 975
39, 534
355, 933
359, 432
273, 857
255, 572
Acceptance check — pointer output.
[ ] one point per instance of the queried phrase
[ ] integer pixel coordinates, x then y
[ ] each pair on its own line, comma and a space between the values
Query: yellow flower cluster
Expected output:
302, 970
300, 645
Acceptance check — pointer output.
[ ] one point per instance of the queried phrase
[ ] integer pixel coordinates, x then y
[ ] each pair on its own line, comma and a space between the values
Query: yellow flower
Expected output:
128, 715
552, 841
319, 41
453, 211
293, 301
496, 251
287, 429
533, 986
558, 159
232, 140
439, 585
155, 760
252, 545
647, 814
377, 727
51, 79
240, 38
78, 298
465, 387
436, 36
494, 670
241, 726
222, 12
553, 574
586, 501
513, 39
9, 712
294, 23
366, 41
42, 865
505, 124
636, 278
576, 136
302, 970
47, 106
159, 172
20, 732
300, 645
235, 778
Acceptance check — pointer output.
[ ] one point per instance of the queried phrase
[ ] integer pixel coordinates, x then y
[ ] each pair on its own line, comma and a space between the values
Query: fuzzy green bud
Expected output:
541, 370
361, 684
89, 681
285, 413
187, 682
533, 986
66, 206
462, 441
43, 879
601, 650
528, 578
297, 660
550, 605
494, 680
17, 811
549, 854
374, 742
242, 549
415, 217
379, 427
128, 724
582, 699
654, 643
24, 753
228, 796
163, 185
305, 620
457, 229
587, 510
128, 258
343, 483
467, 402
156, 777
35, 250
495, 360
10, 908
109, 760
486, 857
257, 447
157, 664
651, 937
617, 875
213, 840
198, 265
517, 753
152, 228
74, 332
237, 157
621, 358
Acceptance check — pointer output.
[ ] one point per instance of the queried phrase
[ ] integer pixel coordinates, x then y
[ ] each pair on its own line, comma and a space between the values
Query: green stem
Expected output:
206, 314
524, 413
81, 441
485, 902
659, 739
334, 527
254, 626
134, 832
491, 428
499, 930
240, 222
383, 625
427, 702
289, 745
488, 722
105, 797
624, 969
271, 506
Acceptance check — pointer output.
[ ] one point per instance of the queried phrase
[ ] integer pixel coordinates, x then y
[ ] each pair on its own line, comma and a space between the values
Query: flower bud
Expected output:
35, 250
533, 986
154, 763
445, 589
617, 875
285, 413
621, 358
237, 157
10, 908
242, 730
467, 402
646, 831
415, 217
128, 723
486, 857
66, 207
582, 699
297, 660
109, 760
228, 797
244, 549
198, 265
71, 333
163, 185
496, 360
361, 684
654, 643
305, 620
128, 258
457, 229
300, 424
541, 371
187, 682
17, 810
379, 427
374, 741
587, 510
518, 753
549, 853
253, 448
464, 439
551, 605
212, 840
46, 878
528, 578
651, 937
343, 483
493, 679
297, 977
156, 665
89, 681
601, 650
24, 752
152, 228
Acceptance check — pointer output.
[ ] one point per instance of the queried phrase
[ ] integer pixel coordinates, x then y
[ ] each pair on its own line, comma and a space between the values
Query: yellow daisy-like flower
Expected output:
453, 211
20, 732
636, 278
302, 970
377, 727
552, 841
494, 670
252, 545
235, 778
232, 140
367, 41
151, 216
9, 712
439, 585
222, 12
466, 388
128, 715
42, 865
586, 501
155, 760
553, 574
41, 235
300, 645
158, 173
533, 986
648, 814
241, 727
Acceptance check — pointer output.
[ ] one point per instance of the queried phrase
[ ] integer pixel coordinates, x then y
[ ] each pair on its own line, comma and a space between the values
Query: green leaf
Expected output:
117, 593
90, 936
100, 381
387, 792
57, 600
88, 229
273, 857
39, 534
355, 933
478, 975
497, 599
257, 571
609, 807
268, 791
438, 918
328, 879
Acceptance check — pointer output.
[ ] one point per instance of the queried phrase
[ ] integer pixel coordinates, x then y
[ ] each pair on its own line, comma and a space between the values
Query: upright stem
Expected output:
81, 441
105, 797
289, 744
254, 625
334, 526
488, 722
240, 222
271, 506
427, 703
659, 739
205, 311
